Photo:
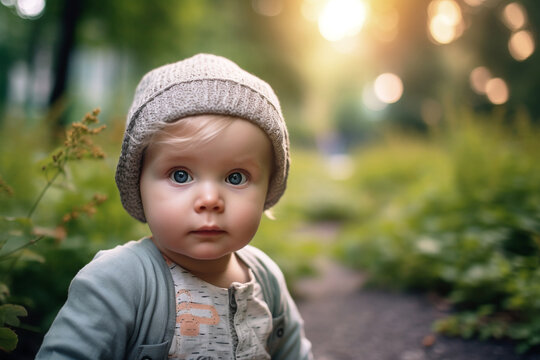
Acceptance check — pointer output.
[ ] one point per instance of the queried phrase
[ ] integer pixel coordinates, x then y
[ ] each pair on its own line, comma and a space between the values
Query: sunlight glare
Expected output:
479, 78
514, 16
388, 20
311, 9
387, 25
342, 18
388, 88
521, 45
267, 7
497, 91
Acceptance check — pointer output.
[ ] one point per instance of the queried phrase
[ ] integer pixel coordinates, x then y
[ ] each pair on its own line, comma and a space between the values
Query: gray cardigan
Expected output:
122, 306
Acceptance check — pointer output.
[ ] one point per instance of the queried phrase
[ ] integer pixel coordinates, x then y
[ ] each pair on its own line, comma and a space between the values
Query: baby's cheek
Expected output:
249, 219
163, 225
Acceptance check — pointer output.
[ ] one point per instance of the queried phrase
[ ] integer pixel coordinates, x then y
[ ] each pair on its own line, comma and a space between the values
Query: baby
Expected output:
205, 153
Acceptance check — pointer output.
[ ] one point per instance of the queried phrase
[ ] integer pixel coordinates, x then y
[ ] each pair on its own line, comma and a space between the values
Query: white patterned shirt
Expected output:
216, 323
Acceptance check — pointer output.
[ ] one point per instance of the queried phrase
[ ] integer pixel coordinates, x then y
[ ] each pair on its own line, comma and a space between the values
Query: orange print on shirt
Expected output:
190, 324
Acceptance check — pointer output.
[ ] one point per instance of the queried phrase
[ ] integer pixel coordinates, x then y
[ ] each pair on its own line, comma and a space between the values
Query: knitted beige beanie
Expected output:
202, 84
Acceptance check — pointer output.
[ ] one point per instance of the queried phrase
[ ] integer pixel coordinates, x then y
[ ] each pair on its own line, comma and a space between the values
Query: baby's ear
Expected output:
269, 214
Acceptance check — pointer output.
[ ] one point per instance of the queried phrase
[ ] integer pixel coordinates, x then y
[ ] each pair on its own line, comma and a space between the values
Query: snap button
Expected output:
280, 332
146, 358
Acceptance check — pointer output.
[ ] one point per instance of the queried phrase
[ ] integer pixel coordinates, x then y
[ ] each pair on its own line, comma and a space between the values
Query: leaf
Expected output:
8, 339
16, 226
29, 255
9, 314
4, 292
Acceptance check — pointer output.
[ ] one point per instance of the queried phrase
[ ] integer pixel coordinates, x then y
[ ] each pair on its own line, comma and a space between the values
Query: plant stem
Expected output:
24, 246
34, 206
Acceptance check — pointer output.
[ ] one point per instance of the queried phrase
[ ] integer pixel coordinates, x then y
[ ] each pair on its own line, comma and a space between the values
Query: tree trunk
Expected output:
70, 15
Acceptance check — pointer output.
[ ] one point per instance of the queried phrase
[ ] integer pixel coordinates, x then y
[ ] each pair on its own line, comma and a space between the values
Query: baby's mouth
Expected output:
209, 231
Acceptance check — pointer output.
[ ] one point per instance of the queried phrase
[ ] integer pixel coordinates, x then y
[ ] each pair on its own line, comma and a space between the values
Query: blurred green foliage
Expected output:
75, 227
457, 214
45, 237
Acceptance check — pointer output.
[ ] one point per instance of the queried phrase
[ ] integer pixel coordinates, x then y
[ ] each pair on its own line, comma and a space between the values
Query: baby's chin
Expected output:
205, 253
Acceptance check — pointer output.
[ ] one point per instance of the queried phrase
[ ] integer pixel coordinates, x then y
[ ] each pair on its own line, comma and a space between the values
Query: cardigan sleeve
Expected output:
97, 319
288, 340
113, 310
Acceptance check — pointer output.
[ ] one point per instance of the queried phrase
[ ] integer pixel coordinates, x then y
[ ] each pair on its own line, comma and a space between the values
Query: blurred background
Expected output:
414, 131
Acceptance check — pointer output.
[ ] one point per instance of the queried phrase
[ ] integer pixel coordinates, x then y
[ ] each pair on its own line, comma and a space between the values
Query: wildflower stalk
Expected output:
77, 145
40, 196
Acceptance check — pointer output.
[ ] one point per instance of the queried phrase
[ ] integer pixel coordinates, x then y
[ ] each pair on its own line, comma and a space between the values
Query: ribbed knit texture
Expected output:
202, 84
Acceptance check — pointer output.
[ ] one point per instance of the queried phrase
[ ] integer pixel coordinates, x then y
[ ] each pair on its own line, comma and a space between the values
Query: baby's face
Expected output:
204, 202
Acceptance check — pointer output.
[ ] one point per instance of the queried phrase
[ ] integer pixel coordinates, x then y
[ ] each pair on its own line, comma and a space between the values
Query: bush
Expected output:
46, 230
80, 213
460, 216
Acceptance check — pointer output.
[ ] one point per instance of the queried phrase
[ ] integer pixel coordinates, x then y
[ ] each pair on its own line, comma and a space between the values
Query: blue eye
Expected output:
236, 178
181, 176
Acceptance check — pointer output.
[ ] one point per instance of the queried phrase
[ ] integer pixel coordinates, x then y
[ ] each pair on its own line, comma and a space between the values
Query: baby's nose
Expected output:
209, 199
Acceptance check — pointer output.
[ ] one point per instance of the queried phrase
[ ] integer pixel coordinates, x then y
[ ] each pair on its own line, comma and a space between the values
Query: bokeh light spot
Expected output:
448, 9
441, 31
479, 78
342, 18
514, 16
388, 88
474, 3
445, 21
8, 3
30, 8
521, 45
497, 91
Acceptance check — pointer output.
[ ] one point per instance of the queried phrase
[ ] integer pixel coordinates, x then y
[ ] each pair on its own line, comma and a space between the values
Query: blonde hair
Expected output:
194, 130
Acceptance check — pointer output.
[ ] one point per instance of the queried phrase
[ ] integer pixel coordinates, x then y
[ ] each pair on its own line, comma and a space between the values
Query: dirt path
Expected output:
346, 322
